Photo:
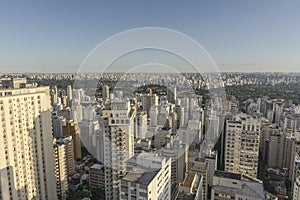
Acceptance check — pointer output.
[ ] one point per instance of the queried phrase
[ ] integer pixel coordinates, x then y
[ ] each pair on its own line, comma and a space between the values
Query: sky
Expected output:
240, 35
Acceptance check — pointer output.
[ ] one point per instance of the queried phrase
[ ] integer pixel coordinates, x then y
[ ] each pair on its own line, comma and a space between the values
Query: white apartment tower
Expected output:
212, 125
69, 92
296, 178
117, 123
26, 150
140, 125
242, 145
179, 163
153, 116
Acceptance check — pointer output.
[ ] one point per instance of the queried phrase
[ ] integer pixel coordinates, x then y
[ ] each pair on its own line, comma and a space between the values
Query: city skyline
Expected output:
239, 36
153, 140
156, 100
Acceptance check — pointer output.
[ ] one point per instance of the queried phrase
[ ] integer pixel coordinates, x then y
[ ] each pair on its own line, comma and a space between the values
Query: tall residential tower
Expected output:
117, 124
26, 150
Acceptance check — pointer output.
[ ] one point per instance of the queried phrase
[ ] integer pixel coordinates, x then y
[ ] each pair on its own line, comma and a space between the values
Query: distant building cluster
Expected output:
147, 144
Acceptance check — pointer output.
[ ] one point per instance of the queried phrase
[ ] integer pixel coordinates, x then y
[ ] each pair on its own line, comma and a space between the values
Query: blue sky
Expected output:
241, 35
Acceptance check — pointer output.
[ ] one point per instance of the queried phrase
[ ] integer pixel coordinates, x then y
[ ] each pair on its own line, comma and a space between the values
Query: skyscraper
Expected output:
64, 147
140, 125
72, 129
53, 95
179, 164
26, 150
105, 93
58, 123
69, 92
69, 95
171, 94
64, 164
296, 178
242, 145
117, 123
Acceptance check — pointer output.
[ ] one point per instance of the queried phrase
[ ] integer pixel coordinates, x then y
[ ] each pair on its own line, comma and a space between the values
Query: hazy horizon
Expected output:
56, 36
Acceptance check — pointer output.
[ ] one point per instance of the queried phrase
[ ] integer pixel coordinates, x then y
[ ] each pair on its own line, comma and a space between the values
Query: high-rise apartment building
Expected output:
105, 93
117, 122
64, 146
200, 167
171, 94
212, 124
153, 116
140, 125
53, 95
242, 145
58, 122
280, 148
26, 150
64, 164
72, 129
179, 163
148, 101
69, 92
296, 178
249, 153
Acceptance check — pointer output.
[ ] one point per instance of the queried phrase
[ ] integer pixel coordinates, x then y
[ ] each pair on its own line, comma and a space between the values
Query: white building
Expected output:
78, 94
69, 94
149, 179
26, 150
179, 163
140, 125
88, 131
163, 113
153, 116
242, 145
296, 178
117, 123
212, 125
89, 113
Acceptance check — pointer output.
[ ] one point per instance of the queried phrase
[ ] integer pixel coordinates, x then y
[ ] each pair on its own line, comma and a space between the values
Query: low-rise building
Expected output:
149, 179
228, 185
96, 176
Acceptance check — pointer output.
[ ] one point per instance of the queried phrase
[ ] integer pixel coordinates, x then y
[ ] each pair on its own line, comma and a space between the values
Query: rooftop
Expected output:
141, 176
143, 157
249, 186
97, 167
19, 86
228, 175
14, 83
189, 179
